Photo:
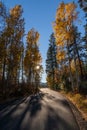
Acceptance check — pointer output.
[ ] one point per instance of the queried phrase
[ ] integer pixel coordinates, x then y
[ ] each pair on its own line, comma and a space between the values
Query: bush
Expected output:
78, 99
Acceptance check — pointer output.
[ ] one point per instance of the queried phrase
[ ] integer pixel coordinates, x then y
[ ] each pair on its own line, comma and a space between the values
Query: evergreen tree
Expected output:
77, 57
83, 5
51, 63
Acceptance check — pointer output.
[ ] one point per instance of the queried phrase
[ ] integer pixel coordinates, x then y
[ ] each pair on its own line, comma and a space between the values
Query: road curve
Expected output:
47, 111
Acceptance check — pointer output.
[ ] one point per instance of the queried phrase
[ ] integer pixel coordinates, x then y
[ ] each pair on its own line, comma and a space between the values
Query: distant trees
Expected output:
17, 63
51, 64
32, 59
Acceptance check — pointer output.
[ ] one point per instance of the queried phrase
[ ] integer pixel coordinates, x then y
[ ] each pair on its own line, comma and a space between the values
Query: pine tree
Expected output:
83, 5
51, 63
77, 57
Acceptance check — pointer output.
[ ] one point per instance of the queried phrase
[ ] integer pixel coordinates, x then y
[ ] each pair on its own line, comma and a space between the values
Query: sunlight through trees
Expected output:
18, 62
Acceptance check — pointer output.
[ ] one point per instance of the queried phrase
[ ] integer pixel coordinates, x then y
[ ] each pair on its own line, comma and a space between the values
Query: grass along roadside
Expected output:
79, 101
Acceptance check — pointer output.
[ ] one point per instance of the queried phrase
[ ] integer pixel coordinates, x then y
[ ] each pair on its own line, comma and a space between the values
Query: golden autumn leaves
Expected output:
69, 44
63, 29
18, 60
16, 11
32, 60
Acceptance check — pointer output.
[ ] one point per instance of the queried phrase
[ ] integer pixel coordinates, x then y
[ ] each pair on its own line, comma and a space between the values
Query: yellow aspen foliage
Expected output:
65, 16
16, 11
73, 67
61, 55
33, 36
32, 57
63, 29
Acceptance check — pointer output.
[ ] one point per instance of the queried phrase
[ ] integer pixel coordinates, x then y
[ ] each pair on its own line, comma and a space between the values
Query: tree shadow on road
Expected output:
33, 107
23, 112
59, 117
13, 118
56, 122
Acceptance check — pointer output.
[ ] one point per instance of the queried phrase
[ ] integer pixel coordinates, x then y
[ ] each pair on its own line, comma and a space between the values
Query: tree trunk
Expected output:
3, 77
71, 77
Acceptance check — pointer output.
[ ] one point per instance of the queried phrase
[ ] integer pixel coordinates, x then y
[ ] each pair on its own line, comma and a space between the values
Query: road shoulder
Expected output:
82, 122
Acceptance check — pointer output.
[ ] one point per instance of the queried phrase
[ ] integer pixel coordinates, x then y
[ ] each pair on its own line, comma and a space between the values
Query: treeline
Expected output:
20, 63
66, 63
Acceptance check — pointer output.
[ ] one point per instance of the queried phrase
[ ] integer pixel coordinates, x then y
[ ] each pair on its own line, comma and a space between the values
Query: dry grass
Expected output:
79, 100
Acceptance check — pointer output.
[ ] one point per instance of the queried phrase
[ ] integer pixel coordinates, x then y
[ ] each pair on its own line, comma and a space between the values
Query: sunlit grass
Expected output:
79, 101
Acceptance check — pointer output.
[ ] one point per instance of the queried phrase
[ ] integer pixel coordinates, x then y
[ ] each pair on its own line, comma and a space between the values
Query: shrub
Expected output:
78, 98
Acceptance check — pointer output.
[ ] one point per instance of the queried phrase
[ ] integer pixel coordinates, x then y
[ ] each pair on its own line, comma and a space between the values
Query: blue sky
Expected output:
39, 14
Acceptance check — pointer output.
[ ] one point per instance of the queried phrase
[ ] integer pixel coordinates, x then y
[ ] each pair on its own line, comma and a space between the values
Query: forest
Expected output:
26, 101
21, 62
66, 63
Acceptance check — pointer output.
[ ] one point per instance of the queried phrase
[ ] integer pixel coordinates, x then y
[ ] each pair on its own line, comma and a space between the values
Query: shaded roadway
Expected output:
47, 111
